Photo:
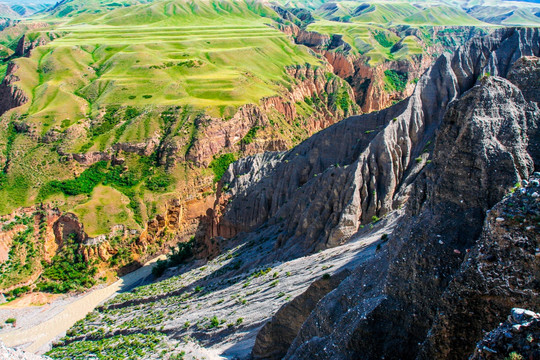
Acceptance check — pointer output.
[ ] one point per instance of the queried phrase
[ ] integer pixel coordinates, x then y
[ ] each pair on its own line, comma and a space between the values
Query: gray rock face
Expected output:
363, 166
10, 95
287, 321
501, 271
456, 147
518, 336
447, 208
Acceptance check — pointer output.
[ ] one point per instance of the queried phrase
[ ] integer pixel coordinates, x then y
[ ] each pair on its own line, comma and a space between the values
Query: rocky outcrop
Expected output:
145, 148
275, 337
155, 228
368, 80
500, 272
68, 225
90, 157
10, 95
517, 338
369, 84
525, 76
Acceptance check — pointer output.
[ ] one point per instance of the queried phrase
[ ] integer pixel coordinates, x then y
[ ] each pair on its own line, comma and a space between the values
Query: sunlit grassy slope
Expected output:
370, 40
370, 27
206, 54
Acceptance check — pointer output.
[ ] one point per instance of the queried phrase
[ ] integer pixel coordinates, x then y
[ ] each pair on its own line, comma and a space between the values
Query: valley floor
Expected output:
38, 326
216, 308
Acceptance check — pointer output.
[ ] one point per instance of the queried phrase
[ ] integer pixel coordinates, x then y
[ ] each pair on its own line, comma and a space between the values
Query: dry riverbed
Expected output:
38, 326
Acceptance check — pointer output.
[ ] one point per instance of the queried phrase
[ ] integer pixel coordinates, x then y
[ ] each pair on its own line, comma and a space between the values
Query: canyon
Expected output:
366, 249
366, 193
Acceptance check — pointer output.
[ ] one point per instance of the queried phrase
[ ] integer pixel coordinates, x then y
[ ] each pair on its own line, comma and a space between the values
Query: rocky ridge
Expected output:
500, 272
308, 82
374, 158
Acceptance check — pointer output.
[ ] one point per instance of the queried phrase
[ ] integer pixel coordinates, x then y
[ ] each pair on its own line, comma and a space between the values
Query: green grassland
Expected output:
395, 13
373, 41
165, 53
374, 29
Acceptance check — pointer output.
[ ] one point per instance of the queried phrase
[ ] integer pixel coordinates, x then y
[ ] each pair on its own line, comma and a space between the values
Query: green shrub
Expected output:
86, 147
109, 121
214, 322
177, 256
159, 182
220, 164
11, 321
159, 268
395, 80
84, 184
381, 38
68, 271
131, 113
326, 276
250, 136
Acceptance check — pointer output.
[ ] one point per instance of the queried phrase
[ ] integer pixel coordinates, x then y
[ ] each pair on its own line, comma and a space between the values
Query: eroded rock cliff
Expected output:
369, 78
215, 135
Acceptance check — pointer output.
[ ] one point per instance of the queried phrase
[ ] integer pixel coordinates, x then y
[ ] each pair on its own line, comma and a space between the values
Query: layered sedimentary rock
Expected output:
216, 135
367, 79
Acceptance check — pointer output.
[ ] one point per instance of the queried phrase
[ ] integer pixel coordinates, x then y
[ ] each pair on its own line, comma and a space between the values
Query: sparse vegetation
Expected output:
250, 136
514, 356
177, 255
68, 270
